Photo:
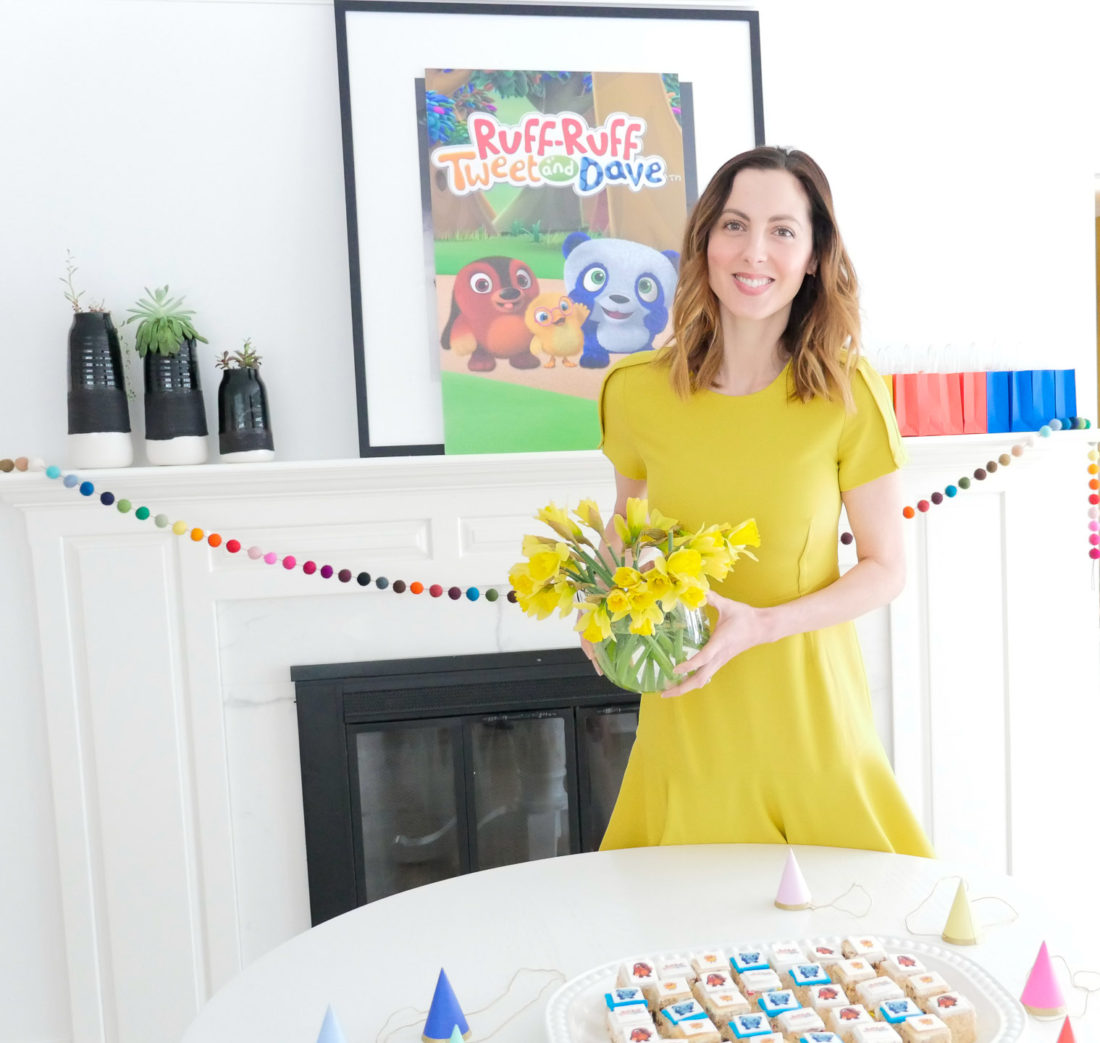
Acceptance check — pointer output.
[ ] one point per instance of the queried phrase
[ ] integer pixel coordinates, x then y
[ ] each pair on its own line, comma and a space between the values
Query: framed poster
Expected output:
534, 156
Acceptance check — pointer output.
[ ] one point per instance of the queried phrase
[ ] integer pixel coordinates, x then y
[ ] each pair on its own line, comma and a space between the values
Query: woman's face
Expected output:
761, 247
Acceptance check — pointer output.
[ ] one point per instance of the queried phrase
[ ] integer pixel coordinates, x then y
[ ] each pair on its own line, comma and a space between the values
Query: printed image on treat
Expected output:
825, 997
675, 967
850, 972
957, 1013
786, 954
896, 1011
721, 1004
825, 954
843, 1019
866, 946
900, 966
877, 991
701, 1030
684, 1010
712, 960
923, 986
742, 960
631, 997
795, 1023
714, 981
756, 983
749, 1026
775, 1003
668, 993
638, 973
876, 1033
631, 1025
801, 976
926, 1028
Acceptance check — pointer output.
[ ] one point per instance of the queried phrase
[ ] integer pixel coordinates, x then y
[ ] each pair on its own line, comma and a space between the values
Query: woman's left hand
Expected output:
739, 627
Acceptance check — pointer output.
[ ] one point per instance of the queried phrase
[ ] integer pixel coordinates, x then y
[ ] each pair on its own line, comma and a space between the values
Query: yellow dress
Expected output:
781, 746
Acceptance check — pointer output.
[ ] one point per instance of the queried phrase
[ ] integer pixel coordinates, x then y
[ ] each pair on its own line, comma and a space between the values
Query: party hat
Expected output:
445, 1016
1042, 995
456, 1036
1066, 1035
793, 892
330, 1029
959, 929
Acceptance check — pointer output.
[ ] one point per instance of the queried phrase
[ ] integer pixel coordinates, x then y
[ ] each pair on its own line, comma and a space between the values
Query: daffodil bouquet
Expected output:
640, 603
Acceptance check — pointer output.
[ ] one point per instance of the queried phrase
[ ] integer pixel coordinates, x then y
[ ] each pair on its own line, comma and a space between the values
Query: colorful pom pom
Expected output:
435, 590
255, 553
923, 505
86, 488
492, 594
399, 586
937, 498
381, 583
289, 561
363, 579
53, 471
309, 568
142, 513
951, 491
908, 512
344, 575
472, 593
161, 521
232, 546
106, 499
214, 540
454, 593
197, 535
416, 587
326, 571
179, 528
70, 480
123, 506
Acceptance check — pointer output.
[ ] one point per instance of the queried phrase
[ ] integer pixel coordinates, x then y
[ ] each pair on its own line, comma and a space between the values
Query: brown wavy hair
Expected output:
823, 331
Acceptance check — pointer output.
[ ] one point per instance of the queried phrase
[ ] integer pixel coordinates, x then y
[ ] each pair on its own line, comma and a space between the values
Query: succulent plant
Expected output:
224, 361
247, 357
163, 325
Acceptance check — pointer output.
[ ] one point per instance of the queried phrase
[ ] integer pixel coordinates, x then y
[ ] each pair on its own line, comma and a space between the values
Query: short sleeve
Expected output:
617, 441
870, 444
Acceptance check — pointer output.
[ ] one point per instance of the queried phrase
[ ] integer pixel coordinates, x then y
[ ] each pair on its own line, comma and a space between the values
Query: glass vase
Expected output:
644, 663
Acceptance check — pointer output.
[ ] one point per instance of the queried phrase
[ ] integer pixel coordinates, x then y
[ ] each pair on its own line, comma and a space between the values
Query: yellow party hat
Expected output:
960, 929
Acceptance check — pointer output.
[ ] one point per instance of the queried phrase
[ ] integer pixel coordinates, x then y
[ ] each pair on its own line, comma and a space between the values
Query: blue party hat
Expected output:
445, 1016
330, 1029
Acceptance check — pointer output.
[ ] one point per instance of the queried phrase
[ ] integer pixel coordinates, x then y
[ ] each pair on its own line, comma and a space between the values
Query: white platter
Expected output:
576, 1012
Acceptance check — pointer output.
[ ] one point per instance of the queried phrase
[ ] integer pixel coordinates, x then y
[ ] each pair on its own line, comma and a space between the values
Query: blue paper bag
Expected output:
1065, 395
998, 401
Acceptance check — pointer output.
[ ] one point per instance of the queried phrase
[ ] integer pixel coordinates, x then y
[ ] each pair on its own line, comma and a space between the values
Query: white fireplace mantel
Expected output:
172, 732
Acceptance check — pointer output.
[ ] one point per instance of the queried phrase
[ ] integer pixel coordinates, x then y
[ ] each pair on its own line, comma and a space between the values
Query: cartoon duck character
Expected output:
488, 303
556, 323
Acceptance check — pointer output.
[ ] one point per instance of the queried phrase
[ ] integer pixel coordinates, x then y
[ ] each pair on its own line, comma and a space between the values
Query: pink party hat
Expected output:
1066, 1035
1042, 995
793, 892
445, 1016
330, 1029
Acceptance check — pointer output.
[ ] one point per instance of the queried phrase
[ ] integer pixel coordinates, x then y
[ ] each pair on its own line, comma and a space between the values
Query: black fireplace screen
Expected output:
416, 770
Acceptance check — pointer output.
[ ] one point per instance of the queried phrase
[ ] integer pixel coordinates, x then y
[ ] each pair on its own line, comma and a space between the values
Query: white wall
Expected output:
198, 143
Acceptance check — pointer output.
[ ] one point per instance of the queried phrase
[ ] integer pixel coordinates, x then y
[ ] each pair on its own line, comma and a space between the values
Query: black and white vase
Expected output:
244, 422
175, 415
99, 415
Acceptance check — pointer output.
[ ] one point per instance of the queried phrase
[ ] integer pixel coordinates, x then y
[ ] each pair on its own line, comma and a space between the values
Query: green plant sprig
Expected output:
163, 325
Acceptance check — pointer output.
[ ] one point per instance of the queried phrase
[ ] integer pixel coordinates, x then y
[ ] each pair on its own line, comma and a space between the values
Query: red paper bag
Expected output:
939, 400
906, 407
973, 403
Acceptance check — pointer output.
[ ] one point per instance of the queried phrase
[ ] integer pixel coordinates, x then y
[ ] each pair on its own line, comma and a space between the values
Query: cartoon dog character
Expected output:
556, 323
627, 288
488, 303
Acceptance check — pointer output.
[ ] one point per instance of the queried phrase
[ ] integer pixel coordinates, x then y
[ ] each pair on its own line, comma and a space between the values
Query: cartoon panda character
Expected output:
627, 288
488, 305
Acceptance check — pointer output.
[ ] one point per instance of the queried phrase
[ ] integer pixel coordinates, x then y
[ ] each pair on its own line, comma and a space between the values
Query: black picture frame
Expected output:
398, 405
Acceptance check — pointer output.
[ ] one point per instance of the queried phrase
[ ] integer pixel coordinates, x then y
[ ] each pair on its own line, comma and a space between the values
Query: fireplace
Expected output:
415, 770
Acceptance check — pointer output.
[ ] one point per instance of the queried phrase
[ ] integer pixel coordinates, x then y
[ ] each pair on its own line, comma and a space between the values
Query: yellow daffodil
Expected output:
546, 565
692, 592
593, 622
645, 615
637, 519
685, 562
660, 586
618, 604
589, 515
534, 544
626, 577
561, 523
558, 596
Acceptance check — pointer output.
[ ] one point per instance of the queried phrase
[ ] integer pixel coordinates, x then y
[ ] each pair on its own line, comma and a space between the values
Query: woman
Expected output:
761, 406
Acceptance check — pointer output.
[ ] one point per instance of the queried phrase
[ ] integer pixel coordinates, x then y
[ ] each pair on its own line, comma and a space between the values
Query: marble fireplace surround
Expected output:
169, 704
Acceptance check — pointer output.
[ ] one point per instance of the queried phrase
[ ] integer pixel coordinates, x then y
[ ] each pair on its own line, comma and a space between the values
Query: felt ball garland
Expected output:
491, 594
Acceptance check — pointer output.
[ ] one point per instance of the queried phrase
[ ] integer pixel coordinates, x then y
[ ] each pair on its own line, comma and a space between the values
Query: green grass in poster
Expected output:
491, 416
544, 258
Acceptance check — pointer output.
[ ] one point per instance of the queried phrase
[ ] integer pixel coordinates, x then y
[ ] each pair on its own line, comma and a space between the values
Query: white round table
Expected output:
377, 965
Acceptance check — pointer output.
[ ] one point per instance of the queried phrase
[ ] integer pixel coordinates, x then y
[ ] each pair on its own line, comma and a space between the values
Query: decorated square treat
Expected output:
786, 954
925, 1028
616, 999
957, 1013
756, 983
877, 991
843, 1019
897, 1010
925, 985
633, 1028
712, 960
750, 1026
819, 1037
722, 1006
824, 953
850, 972
825, 997
876, 1033
864, 945
702, 1030
638, 973
666, 993
713, 981
684, 1010
675, 967
900, 965
748, 960
797, 1023
801, 976
775, 1003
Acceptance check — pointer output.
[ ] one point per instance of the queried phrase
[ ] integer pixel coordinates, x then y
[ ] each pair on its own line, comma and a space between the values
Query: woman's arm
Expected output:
874, 514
